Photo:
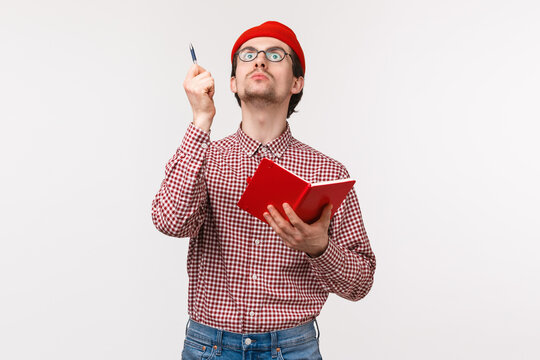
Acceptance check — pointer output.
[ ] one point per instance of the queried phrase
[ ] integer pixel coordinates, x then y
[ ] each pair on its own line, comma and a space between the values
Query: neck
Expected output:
264, 123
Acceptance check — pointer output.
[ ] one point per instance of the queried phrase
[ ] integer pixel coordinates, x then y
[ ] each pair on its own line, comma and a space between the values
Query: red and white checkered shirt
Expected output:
242, 277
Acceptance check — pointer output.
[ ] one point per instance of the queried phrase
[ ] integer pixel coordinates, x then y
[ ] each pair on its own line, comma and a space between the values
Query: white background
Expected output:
433, 106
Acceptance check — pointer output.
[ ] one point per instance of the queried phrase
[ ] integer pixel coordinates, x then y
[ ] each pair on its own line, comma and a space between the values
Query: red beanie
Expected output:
276, 30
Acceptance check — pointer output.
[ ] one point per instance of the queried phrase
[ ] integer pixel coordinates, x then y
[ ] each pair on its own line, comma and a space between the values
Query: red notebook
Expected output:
273, 184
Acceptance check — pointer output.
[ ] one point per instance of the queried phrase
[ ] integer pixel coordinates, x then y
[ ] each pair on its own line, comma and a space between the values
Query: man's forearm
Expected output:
179, 208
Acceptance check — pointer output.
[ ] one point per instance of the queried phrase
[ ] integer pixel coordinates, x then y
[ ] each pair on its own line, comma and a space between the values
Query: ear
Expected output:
234, 89
298, 85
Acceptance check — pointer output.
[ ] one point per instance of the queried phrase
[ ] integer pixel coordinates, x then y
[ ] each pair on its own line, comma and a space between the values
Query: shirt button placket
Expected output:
252, 303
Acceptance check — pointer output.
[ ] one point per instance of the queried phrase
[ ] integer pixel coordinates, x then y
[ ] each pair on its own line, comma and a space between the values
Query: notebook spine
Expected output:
301, 197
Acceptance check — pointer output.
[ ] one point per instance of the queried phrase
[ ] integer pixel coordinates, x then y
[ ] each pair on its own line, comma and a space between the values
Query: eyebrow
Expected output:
270, 48
248, 48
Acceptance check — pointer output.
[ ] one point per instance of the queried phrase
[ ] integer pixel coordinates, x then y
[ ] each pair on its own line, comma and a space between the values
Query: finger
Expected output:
204, 75
196, 82
200, 87
193, 71
293, 218
283, 224
272, 222
327, 214
205, 85
211, 91
209, 87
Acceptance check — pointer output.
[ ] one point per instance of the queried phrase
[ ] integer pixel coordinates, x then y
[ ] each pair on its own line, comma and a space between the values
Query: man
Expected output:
255, 288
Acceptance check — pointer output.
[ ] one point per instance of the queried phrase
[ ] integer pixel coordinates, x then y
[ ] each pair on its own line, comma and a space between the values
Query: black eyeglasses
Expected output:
275, 54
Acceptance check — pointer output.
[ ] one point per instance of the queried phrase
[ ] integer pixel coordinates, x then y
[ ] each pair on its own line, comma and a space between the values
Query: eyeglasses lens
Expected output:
273, 54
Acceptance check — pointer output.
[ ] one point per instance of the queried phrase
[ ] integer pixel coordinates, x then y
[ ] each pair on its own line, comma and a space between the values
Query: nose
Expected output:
261, 59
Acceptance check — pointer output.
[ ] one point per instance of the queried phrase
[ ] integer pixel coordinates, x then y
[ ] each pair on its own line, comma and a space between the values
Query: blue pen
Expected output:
192, 53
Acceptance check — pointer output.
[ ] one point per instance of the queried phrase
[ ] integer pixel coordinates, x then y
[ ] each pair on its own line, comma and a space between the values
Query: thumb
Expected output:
327, 213
211, 91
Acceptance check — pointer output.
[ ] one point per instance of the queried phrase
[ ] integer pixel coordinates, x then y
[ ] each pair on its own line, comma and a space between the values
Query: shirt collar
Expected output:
276, 146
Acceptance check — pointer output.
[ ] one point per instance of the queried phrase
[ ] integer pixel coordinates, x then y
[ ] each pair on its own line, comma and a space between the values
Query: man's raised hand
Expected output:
199, 87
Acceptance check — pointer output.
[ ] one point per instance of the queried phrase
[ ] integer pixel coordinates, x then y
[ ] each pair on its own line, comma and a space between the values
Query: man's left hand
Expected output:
296, 234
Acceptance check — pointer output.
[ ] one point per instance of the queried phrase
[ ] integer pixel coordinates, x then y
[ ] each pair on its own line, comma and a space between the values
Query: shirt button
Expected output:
252, 313
257, 242
248, 341
204, 145
254, 276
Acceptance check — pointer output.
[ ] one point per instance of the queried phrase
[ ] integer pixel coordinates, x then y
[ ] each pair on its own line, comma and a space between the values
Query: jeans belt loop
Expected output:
219, 342
273, 335
187, 325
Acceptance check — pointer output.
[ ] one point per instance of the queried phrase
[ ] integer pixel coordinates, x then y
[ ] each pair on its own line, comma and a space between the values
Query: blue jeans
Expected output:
205, 342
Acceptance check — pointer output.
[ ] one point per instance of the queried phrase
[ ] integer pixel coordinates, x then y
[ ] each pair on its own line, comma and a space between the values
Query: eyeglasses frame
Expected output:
262, 51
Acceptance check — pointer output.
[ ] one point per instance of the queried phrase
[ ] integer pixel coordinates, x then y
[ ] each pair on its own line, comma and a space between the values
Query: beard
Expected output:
260, 97
266, 97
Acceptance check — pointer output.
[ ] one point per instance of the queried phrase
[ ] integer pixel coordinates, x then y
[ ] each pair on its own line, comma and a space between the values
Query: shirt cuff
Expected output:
330, 261
195, 142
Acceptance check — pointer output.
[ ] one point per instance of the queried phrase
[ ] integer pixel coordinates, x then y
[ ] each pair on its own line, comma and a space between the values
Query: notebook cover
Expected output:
317, 196
273, 184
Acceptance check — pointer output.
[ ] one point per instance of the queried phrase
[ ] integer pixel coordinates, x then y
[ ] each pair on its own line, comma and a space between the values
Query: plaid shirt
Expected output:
242, 277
